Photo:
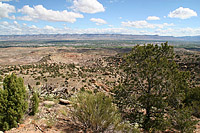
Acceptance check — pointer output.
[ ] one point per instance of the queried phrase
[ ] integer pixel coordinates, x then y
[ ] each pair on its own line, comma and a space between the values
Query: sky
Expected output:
136, 17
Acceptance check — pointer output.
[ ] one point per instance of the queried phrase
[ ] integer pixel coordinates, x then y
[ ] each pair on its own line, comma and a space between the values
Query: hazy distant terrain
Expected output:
95, 40
95, 37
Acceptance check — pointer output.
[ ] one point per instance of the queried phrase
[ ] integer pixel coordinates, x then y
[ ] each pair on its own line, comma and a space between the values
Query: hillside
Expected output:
59, 72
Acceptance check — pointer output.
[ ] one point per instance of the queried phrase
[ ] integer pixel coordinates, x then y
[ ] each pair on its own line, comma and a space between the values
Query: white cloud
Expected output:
5, 10
153, 18
26, 18
179, 32
5, 23
182, 13
47, 27
103, 31
15, 22
39, 12
19, 29
98, 21
33, 27
145, 24
88, 6
113, 1
12, 17
116, 1
6, 0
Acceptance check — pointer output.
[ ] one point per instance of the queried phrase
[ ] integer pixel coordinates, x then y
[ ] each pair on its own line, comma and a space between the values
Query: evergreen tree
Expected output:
152, 88
34, 103
13, 102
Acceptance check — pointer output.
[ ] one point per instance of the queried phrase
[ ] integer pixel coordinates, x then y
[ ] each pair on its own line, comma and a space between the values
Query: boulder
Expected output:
63, 101
49, 103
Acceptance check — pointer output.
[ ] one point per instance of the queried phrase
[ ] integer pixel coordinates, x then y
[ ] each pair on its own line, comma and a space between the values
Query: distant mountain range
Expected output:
95, 37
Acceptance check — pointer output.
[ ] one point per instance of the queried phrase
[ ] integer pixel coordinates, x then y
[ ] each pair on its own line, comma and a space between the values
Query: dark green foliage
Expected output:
95, 112
13, 102
193, 99
71, 66
37, 83
34, 103
1, 78
182, 121
152, 87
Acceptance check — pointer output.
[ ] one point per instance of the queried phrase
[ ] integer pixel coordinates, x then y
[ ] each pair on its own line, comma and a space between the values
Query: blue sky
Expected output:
137, 17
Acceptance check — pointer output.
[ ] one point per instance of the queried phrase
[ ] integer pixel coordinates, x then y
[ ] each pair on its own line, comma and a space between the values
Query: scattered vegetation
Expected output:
155, 88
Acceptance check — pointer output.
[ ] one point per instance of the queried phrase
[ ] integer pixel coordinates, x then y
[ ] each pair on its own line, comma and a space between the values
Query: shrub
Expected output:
182, 121
37, 83
34, 103
13, 102
1, 78
51, 120
95, 112
193, 99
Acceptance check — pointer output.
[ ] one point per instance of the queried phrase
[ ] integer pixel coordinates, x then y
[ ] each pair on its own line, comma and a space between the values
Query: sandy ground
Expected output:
28, 55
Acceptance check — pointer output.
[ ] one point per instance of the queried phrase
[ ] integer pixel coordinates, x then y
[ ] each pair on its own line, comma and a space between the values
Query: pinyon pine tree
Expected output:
152, 90
13, 102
